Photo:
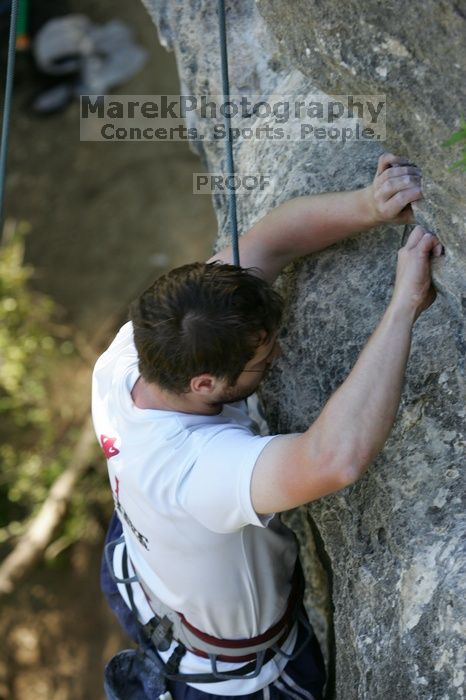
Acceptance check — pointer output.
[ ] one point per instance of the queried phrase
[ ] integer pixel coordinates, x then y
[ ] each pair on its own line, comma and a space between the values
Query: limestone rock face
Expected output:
384, 558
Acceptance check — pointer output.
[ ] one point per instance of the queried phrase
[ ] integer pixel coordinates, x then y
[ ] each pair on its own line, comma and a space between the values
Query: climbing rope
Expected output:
229, 141
10, 67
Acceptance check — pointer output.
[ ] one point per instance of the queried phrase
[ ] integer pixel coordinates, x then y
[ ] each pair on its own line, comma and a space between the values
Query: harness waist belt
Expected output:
233, 650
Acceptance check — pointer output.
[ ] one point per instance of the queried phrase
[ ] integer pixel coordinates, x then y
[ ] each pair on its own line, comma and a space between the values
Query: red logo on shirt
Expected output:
108, 446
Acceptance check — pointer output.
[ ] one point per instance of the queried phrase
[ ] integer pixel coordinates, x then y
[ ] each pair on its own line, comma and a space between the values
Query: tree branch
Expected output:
32, 544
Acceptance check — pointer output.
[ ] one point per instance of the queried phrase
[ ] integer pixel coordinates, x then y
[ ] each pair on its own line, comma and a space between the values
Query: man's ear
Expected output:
204, 384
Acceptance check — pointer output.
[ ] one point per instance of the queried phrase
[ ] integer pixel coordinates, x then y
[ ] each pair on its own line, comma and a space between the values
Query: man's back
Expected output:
181, 485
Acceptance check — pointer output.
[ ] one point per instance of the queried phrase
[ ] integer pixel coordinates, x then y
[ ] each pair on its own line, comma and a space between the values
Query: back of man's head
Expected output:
202, 318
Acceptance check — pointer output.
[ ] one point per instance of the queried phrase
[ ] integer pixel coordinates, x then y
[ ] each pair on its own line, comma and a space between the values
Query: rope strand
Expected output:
10, 68
229, 141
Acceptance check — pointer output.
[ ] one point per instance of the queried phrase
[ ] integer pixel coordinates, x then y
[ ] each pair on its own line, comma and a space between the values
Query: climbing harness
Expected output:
10, 69
229, 139
169, 626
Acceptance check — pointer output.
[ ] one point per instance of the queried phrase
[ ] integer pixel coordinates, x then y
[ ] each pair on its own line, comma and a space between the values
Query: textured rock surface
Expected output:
384, 558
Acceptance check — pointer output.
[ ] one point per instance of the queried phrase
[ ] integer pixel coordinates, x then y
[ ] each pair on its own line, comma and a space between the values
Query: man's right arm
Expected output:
356, 421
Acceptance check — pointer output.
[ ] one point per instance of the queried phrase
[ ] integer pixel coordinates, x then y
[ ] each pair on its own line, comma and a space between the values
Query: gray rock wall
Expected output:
384, 558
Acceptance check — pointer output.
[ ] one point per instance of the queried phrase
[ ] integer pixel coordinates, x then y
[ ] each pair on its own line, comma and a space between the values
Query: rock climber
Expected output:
198, 563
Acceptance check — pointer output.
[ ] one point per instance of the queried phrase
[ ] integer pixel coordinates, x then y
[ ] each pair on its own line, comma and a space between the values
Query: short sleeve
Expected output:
217, 489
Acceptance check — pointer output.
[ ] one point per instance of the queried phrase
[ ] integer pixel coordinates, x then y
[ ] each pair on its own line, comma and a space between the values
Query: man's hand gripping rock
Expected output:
396, 184
414, 291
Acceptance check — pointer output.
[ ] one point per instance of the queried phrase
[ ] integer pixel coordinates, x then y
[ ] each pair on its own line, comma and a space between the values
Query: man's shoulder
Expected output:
121, 346
123, 339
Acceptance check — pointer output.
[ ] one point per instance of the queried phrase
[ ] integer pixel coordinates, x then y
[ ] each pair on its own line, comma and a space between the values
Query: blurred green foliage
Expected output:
458, 137
35, 446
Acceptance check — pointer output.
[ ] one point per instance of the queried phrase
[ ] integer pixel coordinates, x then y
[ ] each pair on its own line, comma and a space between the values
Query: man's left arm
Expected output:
307, 224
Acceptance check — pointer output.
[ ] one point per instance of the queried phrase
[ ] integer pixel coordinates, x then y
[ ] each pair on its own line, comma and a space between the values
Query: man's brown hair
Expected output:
202, 318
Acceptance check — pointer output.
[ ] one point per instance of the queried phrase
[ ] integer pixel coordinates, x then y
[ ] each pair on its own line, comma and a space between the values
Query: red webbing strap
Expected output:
285, 623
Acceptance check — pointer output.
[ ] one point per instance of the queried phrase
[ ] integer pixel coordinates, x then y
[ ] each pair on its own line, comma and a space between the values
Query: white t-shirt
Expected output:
181, 485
